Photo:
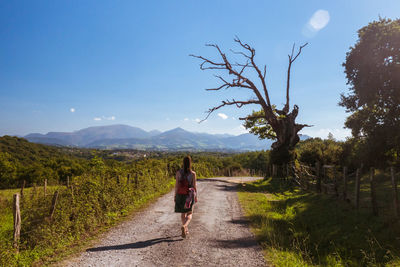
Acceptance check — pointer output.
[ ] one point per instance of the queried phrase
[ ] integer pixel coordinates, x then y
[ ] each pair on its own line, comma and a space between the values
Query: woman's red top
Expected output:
183, 184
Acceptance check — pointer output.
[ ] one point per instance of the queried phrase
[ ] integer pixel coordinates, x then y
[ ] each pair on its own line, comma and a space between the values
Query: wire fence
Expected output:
372, 189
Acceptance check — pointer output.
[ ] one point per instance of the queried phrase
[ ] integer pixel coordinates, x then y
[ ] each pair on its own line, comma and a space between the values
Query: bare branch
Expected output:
260, 75
298, 127
238, 104
226, 84
205, 61
240, 53
265, 71
240, 80
291, 60
252, 117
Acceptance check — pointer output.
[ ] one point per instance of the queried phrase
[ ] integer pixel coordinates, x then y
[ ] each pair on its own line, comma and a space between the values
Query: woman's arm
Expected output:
195, 185
176, 184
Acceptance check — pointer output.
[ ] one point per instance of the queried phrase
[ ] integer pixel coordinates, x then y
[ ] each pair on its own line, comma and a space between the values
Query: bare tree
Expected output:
269, 122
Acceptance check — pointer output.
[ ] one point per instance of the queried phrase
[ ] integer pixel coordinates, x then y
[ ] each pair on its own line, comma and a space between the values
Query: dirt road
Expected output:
219, 236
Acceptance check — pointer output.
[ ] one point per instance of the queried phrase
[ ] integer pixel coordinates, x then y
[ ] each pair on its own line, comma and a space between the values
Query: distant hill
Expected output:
88, 135
124, 136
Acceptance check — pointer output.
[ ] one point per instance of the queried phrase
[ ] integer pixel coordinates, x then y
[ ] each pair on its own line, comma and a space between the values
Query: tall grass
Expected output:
298, 228
93, 202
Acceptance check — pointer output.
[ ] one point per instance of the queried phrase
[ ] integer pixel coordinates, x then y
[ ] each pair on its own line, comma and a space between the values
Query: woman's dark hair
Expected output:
187, 165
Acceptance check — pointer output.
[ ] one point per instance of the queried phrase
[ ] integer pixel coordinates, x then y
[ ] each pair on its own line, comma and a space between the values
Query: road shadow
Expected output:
228, 187
245, 242
242, 222
140, 244
209, 180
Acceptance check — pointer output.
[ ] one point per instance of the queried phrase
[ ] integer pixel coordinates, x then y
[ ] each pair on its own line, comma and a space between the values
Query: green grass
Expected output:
7, 221
298, 228
77, 220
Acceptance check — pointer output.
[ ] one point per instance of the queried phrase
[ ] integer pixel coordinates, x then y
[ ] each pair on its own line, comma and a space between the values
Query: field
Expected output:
301, 228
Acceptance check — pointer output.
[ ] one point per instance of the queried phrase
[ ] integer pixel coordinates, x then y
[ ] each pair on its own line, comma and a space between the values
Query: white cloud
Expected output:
233, 118
111, 118
186, 119
197, 120
97, 119
223, 116
72, 110
317, 22
239, 130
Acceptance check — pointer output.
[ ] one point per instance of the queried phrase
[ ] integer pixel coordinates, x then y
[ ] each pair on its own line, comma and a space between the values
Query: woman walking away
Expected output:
185, 193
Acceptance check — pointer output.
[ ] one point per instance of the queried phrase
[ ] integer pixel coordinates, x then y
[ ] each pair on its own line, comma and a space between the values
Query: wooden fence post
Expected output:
128, 178
34, 190
335, 181
344, 183
67, 181
287, 171
307, 185
72, 192
325, 189
317, 173
118, 179
357, 193
395, 196
17, 221
22, 188
45, 187
136, 179
373, 193
53, 204
274, 170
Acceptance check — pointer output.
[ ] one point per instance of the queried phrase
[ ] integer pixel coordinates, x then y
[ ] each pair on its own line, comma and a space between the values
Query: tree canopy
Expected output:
372, 69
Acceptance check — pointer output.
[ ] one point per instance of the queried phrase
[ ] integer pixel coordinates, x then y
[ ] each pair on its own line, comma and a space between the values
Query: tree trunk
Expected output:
286, 131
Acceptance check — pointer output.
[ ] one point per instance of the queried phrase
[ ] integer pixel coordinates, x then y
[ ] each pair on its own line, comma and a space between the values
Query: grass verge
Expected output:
92, 209
298, 228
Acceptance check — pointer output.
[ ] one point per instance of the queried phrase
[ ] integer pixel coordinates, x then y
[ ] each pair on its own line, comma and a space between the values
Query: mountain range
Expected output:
124, 136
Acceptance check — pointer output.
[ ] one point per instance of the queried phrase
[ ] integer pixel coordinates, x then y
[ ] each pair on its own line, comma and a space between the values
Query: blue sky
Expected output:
67, 65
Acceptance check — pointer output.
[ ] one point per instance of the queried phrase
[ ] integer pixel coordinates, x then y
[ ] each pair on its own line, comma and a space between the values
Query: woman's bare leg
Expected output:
183, 218
183, 228
188, 218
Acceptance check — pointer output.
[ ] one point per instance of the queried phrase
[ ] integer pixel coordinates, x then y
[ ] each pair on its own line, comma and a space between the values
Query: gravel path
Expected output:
219, 236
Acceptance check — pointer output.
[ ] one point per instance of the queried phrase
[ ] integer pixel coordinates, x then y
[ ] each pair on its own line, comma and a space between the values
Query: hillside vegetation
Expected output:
104, 186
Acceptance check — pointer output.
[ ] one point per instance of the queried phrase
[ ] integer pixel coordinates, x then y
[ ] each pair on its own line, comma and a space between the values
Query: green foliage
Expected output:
325, 151
298, 228
372, 69
258, 125
91, 202
352, 153
21, 160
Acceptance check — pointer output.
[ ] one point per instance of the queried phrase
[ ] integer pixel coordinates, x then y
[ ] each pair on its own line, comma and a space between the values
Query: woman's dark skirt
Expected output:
180, 204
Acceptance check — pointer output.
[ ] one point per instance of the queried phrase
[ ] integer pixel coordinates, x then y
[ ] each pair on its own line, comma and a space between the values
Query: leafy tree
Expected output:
326, 151
270, 122
7, 169
372, 68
